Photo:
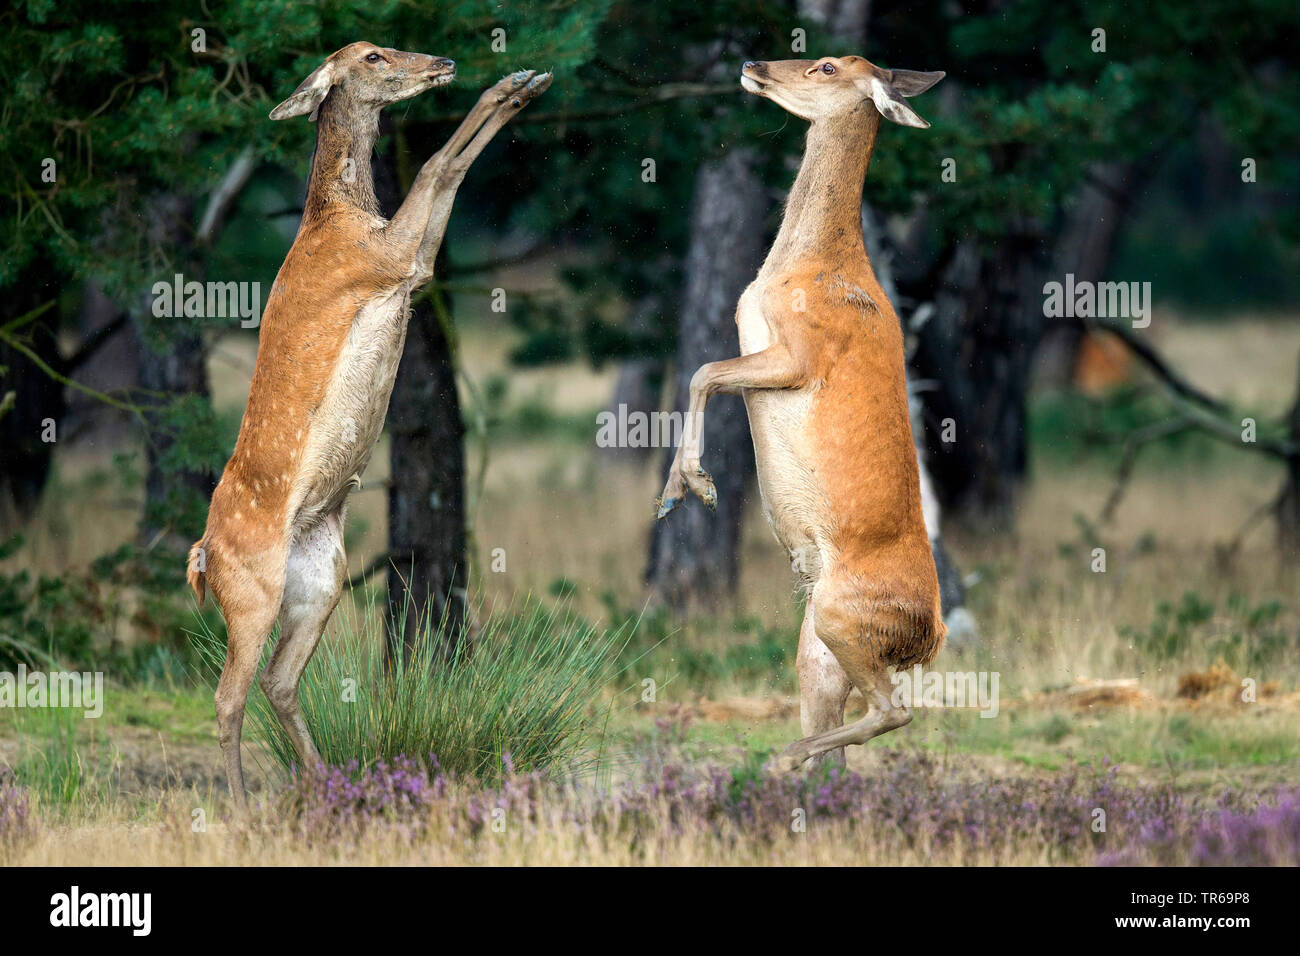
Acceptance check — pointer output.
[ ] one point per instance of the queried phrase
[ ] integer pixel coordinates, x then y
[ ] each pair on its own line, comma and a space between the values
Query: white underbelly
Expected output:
348, 422
793, 501
778, 422
752, 329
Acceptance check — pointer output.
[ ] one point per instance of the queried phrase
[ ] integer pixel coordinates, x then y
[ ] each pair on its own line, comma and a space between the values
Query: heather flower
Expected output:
912, 801
1264, 836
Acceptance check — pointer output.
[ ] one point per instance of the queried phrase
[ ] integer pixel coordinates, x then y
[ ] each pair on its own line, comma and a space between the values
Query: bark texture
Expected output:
694, 556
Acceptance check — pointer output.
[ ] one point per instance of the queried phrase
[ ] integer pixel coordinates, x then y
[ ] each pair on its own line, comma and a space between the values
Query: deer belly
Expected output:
752, 329
347, 424
792, 497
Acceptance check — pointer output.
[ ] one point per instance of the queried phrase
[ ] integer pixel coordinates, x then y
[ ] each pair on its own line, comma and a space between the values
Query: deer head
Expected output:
369, 77
835, 86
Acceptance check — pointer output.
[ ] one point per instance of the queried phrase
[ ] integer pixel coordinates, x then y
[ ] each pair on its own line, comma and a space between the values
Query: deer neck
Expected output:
340, 168
823, 214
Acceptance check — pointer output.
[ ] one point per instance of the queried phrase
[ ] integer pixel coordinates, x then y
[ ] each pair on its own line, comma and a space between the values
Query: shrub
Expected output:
529, 685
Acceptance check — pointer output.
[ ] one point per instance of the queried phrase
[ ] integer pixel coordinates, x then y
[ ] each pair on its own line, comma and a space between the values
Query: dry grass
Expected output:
113, 841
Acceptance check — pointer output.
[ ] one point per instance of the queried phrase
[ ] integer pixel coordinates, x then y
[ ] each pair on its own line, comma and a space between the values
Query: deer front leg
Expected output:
409, 223
449, 184
419, 224
774, 367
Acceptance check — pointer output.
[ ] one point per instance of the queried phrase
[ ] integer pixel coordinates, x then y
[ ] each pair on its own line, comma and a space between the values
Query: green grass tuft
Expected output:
531, 686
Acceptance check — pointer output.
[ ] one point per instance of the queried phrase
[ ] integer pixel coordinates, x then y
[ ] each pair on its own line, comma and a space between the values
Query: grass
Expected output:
1201, 746
60, 757
527, 691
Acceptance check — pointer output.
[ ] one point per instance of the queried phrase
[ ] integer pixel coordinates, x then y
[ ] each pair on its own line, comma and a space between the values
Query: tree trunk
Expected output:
171, 368
978, 348
427, 567
35, 398
426, 496
640, 382
1086, 248
1288, 503
693, 553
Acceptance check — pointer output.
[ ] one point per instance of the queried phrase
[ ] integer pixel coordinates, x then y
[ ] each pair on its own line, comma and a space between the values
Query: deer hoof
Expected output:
539, 84
788, 761
512, 83
665, 505
701, 483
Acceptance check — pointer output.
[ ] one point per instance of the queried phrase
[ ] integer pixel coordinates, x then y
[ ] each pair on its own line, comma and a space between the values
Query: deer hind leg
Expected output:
823, 687
843, 627
314, 578
249, 596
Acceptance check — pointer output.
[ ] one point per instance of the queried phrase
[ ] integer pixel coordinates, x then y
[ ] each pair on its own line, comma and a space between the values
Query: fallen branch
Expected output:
1132, 445
1194, 411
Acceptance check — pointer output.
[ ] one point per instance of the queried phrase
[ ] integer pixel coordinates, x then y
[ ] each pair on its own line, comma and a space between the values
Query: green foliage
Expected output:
763, 661
70, 621
1195, 226
1056, 728
752, 655
51, 762
44, 620
1243, 635
1073, 428
528, 689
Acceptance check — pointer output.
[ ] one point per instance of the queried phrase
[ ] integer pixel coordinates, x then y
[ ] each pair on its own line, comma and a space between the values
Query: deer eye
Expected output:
828, 68
373, 58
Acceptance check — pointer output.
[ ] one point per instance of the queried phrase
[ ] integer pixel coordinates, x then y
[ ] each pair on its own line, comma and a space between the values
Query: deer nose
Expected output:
749, 65
443, 63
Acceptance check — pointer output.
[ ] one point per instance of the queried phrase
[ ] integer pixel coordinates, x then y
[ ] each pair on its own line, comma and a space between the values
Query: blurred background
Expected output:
593, 262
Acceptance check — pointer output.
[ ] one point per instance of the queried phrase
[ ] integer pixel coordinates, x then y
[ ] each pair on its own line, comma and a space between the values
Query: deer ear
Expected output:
308, 96
889, 98
911, 82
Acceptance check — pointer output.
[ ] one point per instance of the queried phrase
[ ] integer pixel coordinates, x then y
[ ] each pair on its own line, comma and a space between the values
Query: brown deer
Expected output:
822, 375
331, 336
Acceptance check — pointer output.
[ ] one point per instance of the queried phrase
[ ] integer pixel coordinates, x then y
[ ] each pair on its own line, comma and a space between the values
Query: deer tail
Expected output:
195, 569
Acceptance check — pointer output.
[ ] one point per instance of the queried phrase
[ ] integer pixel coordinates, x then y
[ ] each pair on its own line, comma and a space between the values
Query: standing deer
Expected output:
822, 374
331, 337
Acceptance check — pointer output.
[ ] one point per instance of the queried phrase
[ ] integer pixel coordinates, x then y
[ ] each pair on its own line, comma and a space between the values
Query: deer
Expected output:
330, 338
822, 375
